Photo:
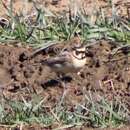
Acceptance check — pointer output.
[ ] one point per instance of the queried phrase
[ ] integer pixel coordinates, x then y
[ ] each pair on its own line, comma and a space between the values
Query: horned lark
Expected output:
68, 61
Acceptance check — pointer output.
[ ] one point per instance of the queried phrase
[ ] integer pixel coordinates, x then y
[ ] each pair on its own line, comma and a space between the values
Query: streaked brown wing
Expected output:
63, 60
56, 60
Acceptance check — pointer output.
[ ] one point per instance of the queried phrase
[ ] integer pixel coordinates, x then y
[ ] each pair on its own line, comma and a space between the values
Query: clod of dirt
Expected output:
23, 57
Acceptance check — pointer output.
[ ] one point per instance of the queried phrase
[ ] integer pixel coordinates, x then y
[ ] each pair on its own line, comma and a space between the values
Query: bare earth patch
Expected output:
107, 71
103, 74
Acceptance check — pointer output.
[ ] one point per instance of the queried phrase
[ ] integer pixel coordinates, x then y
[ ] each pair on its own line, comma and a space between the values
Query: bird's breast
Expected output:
79, 63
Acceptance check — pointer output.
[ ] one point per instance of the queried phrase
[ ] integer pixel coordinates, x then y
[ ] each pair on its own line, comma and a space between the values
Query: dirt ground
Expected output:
36, 127
104, 73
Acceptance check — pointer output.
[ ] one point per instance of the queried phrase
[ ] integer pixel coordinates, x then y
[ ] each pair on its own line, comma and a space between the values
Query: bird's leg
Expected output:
60, 80
63, 84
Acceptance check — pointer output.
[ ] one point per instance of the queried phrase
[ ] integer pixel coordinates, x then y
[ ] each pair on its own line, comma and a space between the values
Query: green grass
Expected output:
60, 30
51, 28
103, 113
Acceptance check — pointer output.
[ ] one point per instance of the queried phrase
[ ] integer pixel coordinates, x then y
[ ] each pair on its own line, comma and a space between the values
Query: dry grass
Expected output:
47, 27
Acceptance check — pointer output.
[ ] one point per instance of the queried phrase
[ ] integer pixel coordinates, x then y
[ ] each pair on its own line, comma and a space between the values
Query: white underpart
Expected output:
78, 63
79, 60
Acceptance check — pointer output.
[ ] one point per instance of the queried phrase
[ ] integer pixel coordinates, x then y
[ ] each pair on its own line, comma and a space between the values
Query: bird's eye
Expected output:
77, 52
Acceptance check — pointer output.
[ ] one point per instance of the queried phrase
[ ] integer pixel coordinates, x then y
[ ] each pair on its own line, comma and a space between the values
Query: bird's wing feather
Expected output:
56, 60
63, 58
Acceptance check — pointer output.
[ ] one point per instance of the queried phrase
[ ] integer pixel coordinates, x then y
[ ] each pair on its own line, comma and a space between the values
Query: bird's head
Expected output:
79, 52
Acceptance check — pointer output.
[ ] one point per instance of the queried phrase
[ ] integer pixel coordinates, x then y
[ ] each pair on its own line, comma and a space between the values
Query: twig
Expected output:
65, 127
55, 115
113, 60
124, 47
111, 83
100, 84
127, 27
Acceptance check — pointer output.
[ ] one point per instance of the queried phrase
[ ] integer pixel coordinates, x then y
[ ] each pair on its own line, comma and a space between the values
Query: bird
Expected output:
68, 60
